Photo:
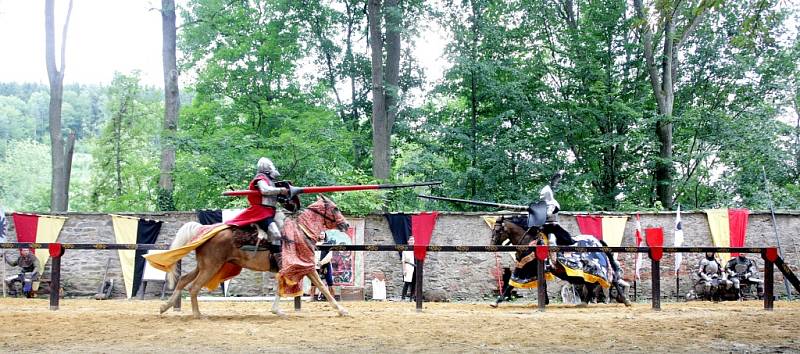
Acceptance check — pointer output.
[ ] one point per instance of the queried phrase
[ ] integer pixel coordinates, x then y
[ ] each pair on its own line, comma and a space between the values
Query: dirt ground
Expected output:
91, 326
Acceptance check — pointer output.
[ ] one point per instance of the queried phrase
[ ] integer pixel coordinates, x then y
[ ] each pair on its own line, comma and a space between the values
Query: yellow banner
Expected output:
125, 229
720, 231
47, 230
490, 220
614, 229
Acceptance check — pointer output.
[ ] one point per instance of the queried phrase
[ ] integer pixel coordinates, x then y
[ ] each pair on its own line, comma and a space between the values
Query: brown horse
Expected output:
594, 263
219, 251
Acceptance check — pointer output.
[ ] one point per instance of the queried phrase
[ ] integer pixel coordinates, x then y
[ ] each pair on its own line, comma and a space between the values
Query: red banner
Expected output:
590, 225
655, 236
26, 226
737, 222
655, 240
422, 228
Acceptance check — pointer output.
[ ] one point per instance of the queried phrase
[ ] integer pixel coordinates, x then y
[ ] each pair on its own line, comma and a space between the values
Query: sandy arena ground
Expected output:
91, 326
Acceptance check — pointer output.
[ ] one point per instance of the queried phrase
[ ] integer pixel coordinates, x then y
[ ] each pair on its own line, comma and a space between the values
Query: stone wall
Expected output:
454, 276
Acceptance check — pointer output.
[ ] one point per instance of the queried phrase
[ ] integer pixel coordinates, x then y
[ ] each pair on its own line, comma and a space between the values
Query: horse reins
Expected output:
324, 215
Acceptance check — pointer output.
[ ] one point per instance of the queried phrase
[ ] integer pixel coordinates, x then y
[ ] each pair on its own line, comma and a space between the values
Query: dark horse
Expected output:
586, 271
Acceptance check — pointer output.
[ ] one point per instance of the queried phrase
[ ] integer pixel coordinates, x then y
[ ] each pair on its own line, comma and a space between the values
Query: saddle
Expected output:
246, 238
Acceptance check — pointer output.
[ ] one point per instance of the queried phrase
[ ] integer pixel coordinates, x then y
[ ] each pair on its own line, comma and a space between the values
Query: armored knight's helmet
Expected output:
266, 167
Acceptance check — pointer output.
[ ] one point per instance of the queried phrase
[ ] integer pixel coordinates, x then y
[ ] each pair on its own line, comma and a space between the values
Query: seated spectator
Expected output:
709, 276
743, 271
29, 272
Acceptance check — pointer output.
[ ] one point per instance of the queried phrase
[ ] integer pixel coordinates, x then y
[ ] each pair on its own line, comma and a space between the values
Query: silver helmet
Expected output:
266, 167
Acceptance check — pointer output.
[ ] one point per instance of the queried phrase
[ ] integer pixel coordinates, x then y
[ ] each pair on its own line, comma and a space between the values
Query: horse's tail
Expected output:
182, 237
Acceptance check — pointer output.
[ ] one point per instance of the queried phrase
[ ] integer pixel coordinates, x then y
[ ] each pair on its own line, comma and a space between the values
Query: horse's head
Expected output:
510, 229
330, 213
499, 233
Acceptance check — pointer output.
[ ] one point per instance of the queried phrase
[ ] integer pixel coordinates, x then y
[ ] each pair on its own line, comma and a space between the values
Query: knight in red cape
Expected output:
262, 210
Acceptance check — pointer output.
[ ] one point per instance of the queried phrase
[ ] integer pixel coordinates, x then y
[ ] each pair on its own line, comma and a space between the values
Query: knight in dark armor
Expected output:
709, 276
743, 271
29, 272
263, 208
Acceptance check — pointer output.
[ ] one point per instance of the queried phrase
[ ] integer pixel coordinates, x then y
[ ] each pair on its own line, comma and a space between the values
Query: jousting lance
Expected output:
476, 202
293, 191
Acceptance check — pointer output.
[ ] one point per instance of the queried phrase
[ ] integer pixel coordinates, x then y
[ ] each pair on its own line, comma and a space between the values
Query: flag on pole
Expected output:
678, 239
3, 224
639, 239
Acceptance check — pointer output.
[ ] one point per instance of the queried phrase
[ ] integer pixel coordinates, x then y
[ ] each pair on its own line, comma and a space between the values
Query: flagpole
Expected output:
775, 228
677, 285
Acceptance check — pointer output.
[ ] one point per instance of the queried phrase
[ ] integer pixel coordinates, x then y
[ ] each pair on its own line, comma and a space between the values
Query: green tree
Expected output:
125, 170
24, 176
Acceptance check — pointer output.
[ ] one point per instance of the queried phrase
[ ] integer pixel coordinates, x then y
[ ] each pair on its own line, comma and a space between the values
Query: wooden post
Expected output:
655, 262
634, 290
770, 255
298, 304
541, 296
656, 281
769, 284
541, 282
177, 307
56, 251
418, 280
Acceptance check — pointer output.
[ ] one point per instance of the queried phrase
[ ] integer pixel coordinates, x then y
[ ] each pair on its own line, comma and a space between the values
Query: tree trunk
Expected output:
61, 158
797, 131
664, 87
352, 73
393, 23
171, 106
471, 183
380, 138
118, 152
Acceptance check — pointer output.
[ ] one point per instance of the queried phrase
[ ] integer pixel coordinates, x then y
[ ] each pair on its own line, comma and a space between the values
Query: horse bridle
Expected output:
525, 236
325, 215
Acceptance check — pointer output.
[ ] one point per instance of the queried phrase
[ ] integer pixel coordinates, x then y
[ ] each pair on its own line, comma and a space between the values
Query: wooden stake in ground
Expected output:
3, 256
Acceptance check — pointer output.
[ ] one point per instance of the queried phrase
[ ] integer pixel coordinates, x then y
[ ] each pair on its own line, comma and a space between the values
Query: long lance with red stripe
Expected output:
293, 191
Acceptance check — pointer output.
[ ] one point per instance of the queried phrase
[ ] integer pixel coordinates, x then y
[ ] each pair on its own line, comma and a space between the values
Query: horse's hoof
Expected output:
164, 308
279, 313
343, 313
627, 303
494, 305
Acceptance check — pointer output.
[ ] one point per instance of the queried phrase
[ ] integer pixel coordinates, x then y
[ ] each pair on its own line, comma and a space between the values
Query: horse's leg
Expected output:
622, 292
586, 291
176, 293
275, 305
318, 282
204, 275
506, 293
